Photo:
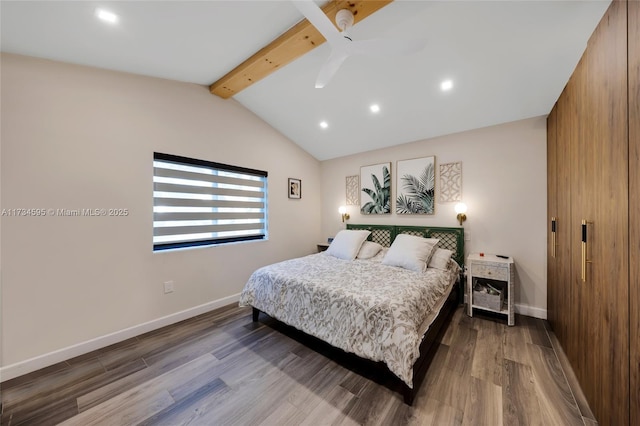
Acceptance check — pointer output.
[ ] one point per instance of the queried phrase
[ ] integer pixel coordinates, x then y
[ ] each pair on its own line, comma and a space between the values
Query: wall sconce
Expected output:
461, 209
343, 211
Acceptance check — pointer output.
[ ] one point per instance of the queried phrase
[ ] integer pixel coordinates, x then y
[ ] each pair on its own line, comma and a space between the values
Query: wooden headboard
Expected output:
450, 238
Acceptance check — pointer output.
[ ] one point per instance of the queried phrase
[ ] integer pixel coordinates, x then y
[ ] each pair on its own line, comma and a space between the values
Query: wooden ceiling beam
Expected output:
298, 40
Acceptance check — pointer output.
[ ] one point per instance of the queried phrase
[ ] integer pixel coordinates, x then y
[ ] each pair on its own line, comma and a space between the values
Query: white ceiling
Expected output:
508, 60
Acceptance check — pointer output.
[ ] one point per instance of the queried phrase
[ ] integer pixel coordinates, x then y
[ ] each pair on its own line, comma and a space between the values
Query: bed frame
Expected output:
451, 239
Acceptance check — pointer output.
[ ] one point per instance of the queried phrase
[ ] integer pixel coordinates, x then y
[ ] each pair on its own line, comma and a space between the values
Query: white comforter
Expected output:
372, 310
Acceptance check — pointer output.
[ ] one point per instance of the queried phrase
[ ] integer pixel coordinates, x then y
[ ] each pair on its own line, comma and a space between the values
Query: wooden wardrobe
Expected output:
593, 256
593, 154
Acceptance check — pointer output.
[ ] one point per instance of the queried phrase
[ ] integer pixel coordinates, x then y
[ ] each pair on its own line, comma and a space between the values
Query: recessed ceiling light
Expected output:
375, 108
324, 124
107, 16
446, 85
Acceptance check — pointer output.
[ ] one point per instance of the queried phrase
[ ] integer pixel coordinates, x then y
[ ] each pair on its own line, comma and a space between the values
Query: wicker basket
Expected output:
484, 299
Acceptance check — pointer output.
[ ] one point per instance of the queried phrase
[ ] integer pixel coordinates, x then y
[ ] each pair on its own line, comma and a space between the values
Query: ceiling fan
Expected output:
341, 44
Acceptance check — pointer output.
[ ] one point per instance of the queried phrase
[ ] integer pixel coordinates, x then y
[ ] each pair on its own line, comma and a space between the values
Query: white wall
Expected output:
77, 137
504, 187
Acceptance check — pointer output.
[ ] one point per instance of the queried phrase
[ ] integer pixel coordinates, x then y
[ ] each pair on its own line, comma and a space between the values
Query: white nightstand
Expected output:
497, 272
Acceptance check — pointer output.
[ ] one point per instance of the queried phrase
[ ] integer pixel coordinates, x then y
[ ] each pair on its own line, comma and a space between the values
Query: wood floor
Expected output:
221, 368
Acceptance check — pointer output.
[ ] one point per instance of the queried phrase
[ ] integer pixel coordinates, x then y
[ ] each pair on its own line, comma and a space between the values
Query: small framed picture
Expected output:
295, 188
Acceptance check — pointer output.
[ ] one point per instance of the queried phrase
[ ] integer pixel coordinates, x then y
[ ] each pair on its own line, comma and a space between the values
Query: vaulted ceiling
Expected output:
507, 60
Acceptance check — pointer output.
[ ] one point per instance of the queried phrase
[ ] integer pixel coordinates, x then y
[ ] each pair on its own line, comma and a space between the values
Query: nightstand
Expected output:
490, 271
322, 247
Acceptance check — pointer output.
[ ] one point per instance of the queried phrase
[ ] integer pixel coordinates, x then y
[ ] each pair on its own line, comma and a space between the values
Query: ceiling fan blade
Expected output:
386, 47
330, 67
318, 19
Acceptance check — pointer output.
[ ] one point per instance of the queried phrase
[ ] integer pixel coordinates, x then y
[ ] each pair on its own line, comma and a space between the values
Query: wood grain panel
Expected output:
298, 40
515, 340
38, 398
537, 331
604, 176
462, 359
189, 409
589, 422
435, 413
124, 409
487, 358
579, 194
376, 406
519, 406
592, 175
91, 398
553, 297
634, 207
563, 290
484, 404
332, 409
557, 403
572, 381
319, 381
154, 395
48, 414
450, 388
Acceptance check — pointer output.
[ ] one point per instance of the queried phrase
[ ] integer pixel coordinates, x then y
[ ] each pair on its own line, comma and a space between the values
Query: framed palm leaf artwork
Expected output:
416, 186
375, 189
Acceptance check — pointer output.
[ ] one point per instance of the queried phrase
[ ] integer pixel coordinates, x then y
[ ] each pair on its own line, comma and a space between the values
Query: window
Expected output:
197, 202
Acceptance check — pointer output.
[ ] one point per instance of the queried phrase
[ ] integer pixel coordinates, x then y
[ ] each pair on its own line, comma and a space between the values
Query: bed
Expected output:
379, 312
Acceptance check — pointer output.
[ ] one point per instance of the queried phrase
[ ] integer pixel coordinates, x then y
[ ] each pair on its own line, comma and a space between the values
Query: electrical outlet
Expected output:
467, 236
168, 287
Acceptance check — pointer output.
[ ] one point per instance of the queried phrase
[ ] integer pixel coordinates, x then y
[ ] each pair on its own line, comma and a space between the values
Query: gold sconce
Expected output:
461, 209
343, 211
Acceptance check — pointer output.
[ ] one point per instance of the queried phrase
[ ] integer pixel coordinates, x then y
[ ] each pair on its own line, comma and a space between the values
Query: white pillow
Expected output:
346, 244
410, 252
368, 250
378, 257
440, 259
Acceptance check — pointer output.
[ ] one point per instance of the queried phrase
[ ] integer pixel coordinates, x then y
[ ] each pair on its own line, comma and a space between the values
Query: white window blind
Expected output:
197, 202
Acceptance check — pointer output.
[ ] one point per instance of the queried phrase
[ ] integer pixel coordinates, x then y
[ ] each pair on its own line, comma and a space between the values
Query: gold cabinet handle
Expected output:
553, 237
583, 274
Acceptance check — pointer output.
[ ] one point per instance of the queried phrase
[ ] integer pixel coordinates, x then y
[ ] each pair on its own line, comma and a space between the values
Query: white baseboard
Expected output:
23, 367
531, 311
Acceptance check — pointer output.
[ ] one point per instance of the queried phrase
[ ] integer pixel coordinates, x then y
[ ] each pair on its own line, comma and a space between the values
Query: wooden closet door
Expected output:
633, 17
562, 311
602, 199
554, 305
567, 119
579, 195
